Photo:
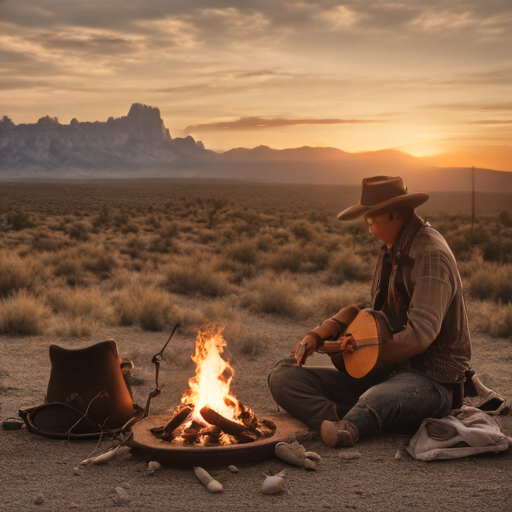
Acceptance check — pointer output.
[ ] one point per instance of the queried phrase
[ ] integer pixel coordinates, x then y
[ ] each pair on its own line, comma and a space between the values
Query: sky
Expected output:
426, 77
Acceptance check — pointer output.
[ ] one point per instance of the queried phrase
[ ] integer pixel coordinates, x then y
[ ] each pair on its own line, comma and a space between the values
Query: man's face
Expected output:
382, 227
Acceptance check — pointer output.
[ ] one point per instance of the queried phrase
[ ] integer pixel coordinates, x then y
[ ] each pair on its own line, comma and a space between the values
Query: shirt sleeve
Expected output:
433, 281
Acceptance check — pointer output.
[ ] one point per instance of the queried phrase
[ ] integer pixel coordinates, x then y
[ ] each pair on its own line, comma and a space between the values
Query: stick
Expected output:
229, 427
181, 413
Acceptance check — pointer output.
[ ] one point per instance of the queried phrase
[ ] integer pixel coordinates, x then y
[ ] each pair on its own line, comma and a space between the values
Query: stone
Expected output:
233, 469
39, 500
122, 497
12, 424
349, 455
272, 485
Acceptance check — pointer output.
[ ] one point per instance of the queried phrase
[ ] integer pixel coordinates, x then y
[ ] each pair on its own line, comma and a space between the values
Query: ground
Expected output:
34, 466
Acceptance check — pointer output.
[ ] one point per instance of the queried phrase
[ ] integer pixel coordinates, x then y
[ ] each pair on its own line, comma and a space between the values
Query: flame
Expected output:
210, 386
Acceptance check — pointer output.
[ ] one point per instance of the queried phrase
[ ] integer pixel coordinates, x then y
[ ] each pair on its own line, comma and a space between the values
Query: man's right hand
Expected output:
304, 349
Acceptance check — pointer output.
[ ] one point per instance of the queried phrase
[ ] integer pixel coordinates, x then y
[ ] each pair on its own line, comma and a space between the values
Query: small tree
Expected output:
213, 208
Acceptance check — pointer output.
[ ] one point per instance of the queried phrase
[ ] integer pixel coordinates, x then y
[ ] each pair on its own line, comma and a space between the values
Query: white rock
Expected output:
215, 486
77, 471
233, 469
272, 485
153, 466
349, 454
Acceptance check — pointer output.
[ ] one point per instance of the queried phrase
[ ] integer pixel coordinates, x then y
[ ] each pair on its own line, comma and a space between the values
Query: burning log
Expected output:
211, 435
181, 413
229, 427
191, 433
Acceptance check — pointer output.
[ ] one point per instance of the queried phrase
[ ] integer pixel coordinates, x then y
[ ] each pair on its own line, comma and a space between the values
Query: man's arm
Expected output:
433, 292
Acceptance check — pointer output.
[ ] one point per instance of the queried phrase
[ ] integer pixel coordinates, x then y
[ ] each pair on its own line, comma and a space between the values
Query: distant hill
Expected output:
139, 145
137, 141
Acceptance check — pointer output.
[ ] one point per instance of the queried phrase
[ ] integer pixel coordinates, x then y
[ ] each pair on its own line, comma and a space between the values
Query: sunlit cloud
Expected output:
257, 123
340, 17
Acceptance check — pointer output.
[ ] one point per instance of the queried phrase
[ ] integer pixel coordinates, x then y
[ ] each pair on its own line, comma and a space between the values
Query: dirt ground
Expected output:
38, 473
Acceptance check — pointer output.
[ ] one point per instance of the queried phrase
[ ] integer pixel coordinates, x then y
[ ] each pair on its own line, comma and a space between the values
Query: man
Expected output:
418, 289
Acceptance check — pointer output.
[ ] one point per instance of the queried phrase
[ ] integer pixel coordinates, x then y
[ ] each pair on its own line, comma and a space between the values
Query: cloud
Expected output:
492, 121
501, 106
258, 123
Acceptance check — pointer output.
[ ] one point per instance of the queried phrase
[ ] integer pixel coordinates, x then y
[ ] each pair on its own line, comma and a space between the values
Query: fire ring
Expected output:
145, 445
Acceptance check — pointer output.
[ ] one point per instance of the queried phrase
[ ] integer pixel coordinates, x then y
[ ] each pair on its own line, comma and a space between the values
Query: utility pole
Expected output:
472, 200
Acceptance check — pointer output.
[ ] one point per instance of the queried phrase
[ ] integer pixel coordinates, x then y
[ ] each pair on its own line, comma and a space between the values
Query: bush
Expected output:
17, 273
66, 326
289, 257
245, 251
148, 307
273, 294
23, 314
90, 303
349, 266
189, 275
492, 282
79, 231
489, 317
19, 220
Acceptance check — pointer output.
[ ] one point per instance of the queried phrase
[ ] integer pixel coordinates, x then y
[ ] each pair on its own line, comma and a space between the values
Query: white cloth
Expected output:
470, 432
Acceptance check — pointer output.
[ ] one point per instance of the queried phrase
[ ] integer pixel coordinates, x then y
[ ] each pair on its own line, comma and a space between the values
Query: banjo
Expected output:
361, 344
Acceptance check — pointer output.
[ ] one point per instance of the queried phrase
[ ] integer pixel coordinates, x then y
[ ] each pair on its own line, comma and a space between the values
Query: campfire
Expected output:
209, 414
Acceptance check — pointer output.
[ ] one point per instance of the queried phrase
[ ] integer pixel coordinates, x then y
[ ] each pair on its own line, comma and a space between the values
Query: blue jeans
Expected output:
398, 402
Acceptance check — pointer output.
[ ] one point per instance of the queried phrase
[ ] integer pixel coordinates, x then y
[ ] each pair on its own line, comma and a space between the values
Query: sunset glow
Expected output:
422, 77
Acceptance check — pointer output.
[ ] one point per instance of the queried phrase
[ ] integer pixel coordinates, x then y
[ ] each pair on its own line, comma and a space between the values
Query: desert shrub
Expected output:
129, 227
192, 275
146, 306
245, 251
302, 230
23, 314
19, 220
270, 293
46, 241
492, 281
346, 265
100, 261
90, 303
17, 273
135, 247
318, 256
265, 242
66, 326
288, 257
104, 218
243, 338
79, 231
324, 302
489, 317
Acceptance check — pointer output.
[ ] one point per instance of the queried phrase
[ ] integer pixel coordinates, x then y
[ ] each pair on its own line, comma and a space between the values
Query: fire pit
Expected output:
210, 426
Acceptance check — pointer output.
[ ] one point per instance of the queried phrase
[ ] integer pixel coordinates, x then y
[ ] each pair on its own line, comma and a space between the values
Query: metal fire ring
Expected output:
146, 446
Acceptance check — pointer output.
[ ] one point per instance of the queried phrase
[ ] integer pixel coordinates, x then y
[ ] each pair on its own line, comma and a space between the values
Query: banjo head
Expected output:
365, 331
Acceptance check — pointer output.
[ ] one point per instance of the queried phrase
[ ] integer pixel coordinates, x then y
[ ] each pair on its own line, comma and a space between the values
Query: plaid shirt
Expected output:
418, 286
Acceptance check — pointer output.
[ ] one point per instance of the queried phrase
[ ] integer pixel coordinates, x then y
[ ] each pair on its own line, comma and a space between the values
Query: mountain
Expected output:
139, 145
137, 141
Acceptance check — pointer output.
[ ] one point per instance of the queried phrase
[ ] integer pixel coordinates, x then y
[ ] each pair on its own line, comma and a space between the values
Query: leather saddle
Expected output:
88, 394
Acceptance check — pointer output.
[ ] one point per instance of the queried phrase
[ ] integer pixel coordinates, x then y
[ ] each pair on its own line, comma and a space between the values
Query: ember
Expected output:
209, 414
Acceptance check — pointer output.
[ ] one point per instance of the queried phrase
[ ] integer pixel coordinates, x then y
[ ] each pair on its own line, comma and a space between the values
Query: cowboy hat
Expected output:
381, 194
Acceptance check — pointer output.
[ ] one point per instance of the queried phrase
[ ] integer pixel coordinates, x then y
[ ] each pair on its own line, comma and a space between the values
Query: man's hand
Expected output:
304, 349
347, 343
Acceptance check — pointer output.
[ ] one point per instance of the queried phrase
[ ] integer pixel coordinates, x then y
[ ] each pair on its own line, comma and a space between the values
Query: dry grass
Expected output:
23, 314
78, 258
489, 317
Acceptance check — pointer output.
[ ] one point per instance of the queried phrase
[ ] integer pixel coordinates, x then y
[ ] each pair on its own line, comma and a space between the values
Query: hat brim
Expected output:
412, 201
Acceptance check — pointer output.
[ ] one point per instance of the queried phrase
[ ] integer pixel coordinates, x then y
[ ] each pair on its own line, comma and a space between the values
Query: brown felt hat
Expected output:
381, 194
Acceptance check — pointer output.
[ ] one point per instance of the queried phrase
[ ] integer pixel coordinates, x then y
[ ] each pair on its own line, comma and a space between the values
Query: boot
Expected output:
338, 434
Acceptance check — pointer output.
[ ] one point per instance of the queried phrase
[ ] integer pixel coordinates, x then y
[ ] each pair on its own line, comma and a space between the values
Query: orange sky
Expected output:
424, 77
